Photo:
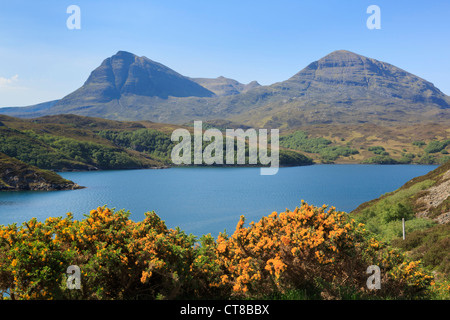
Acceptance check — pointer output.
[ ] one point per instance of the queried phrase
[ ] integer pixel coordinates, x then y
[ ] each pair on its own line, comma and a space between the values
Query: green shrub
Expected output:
429, 245
436, 146
378, 150
380, 159
328, 152
419, 144
398, 211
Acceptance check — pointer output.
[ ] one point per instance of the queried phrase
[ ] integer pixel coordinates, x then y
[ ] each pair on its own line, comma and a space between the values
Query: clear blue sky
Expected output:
268, 41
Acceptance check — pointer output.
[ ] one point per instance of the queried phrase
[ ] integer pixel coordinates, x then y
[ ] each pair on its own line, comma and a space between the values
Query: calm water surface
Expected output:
209, 200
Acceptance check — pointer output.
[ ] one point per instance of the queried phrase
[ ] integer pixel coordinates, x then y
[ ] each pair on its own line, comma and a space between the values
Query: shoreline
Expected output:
248, 166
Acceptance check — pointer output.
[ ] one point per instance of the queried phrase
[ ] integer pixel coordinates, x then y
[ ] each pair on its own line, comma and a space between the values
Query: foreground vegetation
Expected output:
426, 225
310, 252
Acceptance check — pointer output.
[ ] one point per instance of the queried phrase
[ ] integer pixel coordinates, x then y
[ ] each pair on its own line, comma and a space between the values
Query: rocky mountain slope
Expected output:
434, 202
342, 87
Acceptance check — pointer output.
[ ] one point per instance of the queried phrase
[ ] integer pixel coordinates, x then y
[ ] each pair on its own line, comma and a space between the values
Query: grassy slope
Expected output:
399, 142
425, 239
409, 190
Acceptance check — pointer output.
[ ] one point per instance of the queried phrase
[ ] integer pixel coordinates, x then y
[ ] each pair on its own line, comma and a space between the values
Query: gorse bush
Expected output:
317, 251
431, 246
118, 258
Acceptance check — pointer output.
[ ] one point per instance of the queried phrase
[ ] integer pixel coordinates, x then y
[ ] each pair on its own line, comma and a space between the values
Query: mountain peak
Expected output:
123, 56
122, 53
343, 55
343, 52
340, 53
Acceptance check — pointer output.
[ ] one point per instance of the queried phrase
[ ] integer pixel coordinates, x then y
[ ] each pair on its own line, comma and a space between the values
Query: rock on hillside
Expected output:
435, 201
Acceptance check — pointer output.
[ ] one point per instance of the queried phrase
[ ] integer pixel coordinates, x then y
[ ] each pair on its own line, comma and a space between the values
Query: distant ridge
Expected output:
222, 86
32, 111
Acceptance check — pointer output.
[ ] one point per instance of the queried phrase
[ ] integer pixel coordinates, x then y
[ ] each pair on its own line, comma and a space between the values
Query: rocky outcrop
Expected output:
435, 202
15, 175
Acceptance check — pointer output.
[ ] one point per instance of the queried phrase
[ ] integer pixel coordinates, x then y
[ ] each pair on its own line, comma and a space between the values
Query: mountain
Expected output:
17, 175
126, 75
342, 87
222, 86
344, 76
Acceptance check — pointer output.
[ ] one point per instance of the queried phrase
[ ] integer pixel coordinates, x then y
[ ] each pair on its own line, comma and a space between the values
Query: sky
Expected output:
41, 59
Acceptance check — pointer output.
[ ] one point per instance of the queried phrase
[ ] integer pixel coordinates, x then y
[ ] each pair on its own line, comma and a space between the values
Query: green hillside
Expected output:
424, 203
69, 142
17, 175
65, 146
366, 143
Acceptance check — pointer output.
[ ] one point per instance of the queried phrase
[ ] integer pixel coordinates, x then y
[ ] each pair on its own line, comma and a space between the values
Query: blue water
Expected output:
210, 200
